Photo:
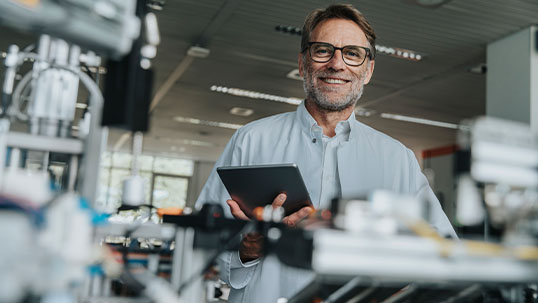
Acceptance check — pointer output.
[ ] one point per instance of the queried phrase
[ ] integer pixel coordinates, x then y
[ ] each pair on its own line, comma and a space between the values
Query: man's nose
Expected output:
337, 61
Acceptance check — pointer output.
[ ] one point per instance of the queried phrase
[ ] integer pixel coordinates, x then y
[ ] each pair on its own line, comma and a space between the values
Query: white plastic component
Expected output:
386, 203
10, 62
26, 185
84, 125
68, 238
152, 29
133, 191
383, 214
18, 256
470, 210
149, 51
357, 217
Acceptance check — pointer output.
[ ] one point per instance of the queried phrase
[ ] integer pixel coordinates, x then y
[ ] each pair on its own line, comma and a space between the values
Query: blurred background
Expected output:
222, 64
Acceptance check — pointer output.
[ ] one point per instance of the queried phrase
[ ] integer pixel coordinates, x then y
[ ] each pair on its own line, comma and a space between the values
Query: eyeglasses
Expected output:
352, 55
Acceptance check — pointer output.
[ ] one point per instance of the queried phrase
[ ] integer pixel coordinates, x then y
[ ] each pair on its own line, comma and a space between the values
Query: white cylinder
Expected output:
133, 191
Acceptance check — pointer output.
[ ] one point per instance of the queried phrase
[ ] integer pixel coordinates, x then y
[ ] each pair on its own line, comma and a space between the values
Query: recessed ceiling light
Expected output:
294, 74
241, 111
254, 95
207, 122
198, 52
363, 112
480, 69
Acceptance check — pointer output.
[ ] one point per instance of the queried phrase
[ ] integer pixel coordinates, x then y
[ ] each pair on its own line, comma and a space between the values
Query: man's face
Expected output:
334, 85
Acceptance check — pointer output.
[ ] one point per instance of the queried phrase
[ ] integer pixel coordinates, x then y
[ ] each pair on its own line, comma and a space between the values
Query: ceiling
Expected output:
247, 52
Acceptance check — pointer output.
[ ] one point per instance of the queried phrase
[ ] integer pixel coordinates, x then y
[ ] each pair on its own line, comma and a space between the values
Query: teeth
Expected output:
334, 81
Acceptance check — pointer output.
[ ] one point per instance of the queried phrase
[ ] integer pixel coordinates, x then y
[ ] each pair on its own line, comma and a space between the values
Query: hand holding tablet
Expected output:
255, 186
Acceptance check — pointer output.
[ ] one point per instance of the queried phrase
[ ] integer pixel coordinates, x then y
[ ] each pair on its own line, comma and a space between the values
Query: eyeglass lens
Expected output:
323, 52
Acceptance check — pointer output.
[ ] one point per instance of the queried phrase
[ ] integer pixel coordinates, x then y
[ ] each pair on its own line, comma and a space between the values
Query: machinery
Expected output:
58, 246
50, 157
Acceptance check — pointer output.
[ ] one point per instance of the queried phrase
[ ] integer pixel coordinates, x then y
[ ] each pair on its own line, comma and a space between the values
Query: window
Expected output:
169, 191
167, 179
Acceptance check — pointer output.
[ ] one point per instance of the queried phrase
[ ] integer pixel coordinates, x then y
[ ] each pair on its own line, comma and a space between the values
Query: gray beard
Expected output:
323, 101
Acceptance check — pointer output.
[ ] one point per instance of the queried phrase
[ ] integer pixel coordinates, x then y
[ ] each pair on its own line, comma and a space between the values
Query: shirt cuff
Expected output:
240, 273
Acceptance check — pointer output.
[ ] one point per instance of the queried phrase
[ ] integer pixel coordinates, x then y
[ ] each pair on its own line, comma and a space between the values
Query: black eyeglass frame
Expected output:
368, 52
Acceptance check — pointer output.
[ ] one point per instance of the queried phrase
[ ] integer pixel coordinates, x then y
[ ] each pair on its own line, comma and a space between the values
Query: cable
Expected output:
15, 102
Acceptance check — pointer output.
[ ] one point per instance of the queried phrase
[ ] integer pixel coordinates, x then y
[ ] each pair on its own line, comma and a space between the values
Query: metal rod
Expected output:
137, 152
45, 163
177, 259
95, 142
344, 290
73, 169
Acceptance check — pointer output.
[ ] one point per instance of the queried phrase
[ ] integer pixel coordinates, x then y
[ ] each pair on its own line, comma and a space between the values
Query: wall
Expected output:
512, 77
201, 172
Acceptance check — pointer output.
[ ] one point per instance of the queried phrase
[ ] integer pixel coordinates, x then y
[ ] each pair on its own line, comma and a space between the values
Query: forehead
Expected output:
339, 32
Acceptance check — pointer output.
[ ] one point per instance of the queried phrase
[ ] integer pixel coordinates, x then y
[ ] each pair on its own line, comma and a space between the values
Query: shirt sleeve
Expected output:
423, 191
232, 271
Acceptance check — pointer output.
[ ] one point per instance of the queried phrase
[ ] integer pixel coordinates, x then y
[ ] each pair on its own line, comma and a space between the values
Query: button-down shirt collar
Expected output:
343, 128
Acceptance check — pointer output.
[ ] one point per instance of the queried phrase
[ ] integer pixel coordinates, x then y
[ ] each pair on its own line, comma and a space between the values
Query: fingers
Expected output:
297, 216
236, 210
279, 200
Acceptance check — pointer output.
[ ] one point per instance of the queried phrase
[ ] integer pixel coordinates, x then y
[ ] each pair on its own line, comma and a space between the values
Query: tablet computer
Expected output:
258, 185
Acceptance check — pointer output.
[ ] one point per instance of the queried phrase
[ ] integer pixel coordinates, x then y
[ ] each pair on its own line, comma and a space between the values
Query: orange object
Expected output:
258, 213
174, 211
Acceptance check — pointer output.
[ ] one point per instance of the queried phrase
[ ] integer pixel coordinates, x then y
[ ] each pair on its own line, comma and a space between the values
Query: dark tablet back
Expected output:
258, 185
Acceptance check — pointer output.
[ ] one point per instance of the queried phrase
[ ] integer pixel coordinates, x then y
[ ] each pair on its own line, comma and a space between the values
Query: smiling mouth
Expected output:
334, 80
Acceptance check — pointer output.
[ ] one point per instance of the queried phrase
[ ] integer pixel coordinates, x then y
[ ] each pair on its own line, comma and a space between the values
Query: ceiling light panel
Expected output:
207, 122
241, 111
400, 53
295, 75
255, 95
420, 121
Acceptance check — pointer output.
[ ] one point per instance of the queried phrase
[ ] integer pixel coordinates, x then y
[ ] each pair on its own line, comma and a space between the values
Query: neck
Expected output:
327, 119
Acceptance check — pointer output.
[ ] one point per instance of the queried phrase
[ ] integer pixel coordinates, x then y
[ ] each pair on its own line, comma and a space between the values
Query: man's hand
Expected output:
236, 210
294, 218
290, 220
251, 247
252, 244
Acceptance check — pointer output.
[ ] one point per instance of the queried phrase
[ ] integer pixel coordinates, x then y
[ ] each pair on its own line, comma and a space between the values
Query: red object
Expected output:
439, 151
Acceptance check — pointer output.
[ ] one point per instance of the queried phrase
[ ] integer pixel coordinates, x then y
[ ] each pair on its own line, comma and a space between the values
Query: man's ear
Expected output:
300, 62
369, 71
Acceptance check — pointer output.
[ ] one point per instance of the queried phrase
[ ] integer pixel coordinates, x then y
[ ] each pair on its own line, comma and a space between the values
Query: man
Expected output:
337, 155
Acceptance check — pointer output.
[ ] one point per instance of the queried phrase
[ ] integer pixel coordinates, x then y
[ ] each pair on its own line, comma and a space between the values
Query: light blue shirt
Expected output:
355, 161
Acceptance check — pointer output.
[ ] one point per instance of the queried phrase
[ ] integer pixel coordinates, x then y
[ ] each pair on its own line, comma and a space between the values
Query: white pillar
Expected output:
512, 77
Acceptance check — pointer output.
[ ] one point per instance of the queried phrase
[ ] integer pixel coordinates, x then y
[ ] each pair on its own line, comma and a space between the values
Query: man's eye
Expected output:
322, 51
353, 54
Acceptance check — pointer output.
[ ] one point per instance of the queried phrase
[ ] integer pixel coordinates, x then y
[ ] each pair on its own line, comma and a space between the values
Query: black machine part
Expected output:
128, 87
